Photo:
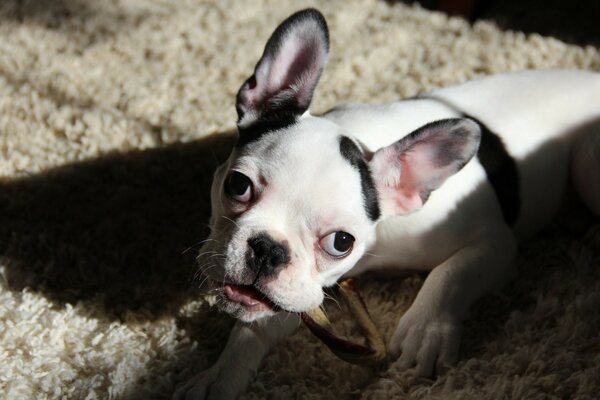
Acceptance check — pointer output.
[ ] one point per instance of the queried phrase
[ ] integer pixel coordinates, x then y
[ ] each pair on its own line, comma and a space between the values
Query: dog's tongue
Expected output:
247, 296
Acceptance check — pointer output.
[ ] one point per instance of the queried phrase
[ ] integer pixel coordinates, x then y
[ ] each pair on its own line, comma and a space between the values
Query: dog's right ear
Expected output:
285, 77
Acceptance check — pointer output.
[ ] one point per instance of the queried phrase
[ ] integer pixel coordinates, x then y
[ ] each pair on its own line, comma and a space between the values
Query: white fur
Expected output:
459, 235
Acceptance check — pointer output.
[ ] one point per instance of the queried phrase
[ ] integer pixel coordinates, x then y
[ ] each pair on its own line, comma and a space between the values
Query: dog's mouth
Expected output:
248, 297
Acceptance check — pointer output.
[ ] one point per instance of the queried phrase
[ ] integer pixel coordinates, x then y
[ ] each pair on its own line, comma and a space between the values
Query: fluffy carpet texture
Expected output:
113, 114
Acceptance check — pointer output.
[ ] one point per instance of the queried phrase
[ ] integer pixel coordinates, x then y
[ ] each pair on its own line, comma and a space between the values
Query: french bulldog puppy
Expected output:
446, 184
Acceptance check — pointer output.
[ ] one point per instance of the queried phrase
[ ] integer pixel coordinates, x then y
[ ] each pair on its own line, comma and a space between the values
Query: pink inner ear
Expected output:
397, 183
419, 169
407, 171
285, 77
402, 197
406, 200
296, 70
289, 64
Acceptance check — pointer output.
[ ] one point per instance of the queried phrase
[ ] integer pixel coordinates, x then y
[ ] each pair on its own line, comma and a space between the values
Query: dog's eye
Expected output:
337, 244
239, 187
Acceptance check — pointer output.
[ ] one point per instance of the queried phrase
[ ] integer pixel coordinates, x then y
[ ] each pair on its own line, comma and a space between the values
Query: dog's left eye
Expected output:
337, 244
239, 187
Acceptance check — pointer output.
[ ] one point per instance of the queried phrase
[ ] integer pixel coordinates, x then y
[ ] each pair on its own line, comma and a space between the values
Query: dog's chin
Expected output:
246, 303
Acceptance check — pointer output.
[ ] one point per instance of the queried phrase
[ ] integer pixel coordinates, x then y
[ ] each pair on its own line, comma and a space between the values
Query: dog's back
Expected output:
536, 117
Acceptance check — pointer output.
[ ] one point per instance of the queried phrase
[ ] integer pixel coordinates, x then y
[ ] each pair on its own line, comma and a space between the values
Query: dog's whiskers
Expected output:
330, 297
208, 254
230, 220
198, 244
206, 277
203, 270
199, 272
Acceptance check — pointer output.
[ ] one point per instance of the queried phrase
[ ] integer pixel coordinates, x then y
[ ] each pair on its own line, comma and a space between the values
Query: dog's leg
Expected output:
585, 168
246, 347
428, 335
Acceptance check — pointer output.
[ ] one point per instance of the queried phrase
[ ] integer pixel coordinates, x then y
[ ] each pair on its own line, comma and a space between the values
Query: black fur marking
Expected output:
500, 167
352, 153
501, 171
263, 126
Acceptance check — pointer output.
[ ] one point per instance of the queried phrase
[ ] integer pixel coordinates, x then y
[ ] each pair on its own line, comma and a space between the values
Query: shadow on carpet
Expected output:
122, 230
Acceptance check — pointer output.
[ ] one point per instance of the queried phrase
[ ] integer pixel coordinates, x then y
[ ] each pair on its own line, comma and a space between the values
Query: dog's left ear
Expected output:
407, 171
288, 72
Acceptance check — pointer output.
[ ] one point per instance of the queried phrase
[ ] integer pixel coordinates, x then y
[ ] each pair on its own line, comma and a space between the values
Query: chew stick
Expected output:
374, 353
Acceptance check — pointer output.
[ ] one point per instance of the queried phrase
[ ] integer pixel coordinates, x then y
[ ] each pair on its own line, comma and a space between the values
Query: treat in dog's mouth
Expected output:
249, 297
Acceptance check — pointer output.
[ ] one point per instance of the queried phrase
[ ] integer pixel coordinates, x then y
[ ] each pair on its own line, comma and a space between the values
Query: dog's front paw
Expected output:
215, 384
427, 342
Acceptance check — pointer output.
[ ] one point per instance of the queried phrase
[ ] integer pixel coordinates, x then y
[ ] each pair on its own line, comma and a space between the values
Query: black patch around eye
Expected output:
343, 241
352, 153
237, 184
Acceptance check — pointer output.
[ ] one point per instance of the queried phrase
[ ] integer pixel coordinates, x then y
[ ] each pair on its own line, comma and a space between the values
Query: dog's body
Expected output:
305, 200
537, 128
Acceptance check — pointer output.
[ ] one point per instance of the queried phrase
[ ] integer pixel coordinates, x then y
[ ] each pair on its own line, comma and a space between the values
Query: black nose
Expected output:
266, 255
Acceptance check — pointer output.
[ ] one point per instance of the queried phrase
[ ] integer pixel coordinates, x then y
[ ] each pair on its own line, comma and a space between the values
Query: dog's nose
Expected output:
267, 255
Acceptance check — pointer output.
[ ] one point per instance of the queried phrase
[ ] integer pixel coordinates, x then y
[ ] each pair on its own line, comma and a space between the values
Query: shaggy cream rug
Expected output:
107, 115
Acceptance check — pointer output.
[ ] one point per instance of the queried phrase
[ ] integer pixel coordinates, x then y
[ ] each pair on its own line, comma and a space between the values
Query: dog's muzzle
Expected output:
374, 353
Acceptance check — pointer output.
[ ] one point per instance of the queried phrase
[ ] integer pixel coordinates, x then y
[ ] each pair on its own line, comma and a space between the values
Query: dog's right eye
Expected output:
239, 187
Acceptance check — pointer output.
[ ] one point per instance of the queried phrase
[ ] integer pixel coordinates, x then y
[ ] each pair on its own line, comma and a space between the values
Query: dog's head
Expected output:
295, 205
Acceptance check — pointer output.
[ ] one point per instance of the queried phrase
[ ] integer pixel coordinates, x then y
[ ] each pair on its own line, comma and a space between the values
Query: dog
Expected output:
446, 183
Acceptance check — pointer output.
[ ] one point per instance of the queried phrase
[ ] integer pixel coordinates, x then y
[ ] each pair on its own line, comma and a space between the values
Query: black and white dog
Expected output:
446, 183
